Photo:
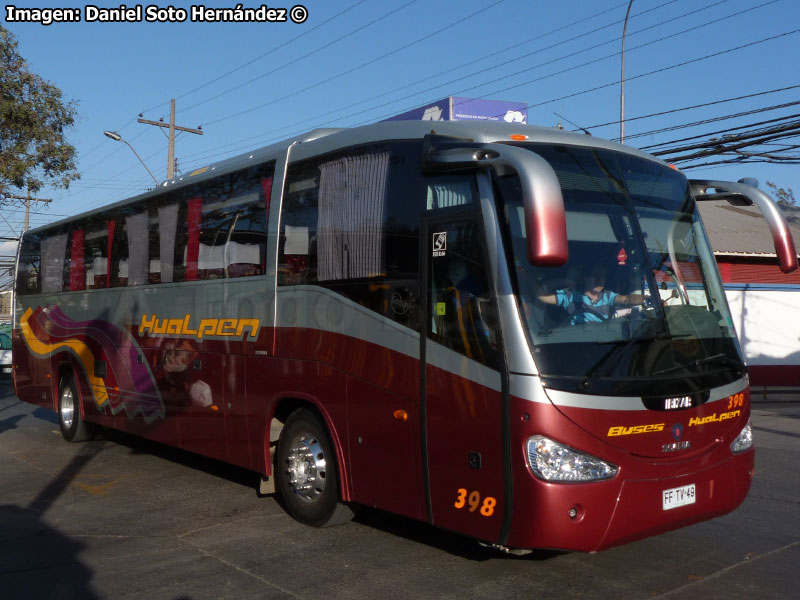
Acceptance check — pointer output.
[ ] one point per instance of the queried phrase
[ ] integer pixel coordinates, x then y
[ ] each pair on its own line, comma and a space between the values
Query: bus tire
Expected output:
70, 420
307, 474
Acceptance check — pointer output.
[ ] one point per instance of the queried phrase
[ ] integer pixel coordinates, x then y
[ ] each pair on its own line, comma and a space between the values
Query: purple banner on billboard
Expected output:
435, 111
454, 108
471, 109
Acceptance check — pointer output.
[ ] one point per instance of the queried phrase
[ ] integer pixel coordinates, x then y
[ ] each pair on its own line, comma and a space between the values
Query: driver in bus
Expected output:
594, 304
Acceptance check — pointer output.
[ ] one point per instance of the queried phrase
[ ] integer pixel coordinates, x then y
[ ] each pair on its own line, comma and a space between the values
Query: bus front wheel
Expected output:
306, 472
70, 420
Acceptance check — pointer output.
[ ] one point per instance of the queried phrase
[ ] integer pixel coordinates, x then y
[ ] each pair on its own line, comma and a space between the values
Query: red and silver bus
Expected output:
396, 316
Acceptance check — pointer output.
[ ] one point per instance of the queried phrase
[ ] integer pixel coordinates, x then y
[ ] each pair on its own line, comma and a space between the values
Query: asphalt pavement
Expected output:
121, 517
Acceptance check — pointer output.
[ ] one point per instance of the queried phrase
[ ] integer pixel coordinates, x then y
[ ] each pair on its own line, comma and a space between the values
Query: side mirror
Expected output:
545, 220
741, 194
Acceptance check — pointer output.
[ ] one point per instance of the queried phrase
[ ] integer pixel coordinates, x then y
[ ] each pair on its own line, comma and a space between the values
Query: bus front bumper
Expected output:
595, 516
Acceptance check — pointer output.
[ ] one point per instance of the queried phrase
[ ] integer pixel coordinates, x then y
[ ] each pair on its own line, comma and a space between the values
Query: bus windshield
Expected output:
640, 297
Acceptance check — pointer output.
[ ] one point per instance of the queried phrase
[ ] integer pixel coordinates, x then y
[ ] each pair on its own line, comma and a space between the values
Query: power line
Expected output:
430, 35
280, 46
703, 105
616, 82
253, 60
119, 149
237, 145
494, 92
735, 144
362, 65
662, 69
171, 137
495, 53
715, 119
292, 62
674, 66
585, 64
757, 134
449, 70
473, 74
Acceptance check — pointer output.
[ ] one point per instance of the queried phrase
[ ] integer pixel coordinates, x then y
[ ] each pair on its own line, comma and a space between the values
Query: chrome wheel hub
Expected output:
67, 407
306, 467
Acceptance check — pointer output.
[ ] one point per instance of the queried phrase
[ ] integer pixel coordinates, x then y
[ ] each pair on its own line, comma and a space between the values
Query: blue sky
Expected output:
358, 61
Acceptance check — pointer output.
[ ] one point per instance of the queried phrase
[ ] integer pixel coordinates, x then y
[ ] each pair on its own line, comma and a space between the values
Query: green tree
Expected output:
783, 195
33, 121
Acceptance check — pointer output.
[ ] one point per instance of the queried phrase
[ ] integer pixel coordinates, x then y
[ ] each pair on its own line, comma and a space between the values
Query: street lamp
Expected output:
622, 80
118, 138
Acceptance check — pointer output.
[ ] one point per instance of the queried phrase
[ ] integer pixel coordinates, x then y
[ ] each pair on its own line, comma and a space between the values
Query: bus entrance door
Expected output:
463, 396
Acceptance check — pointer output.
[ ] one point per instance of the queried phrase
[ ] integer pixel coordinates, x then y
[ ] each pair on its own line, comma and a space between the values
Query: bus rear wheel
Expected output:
70, 420
306, 472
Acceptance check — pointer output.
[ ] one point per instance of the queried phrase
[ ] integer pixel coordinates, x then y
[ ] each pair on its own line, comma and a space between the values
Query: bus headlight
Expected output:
743, 441
552, 461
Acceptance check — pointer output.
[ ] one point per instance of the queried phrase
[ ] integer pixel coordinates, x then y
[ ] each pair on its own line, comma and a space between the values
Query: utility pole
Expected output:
171, 136
28, 200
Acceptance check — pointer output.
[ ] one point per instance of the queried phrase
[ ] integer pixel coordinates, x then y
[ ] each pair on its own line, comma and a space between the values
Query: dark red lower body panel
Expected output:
622, 509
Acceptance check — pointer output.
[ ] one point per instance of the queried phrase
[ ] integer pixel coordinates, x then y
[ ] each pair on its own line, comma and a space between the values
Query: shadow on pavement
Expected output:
452, 543
10, 423
210, 466
45, 415
38, 561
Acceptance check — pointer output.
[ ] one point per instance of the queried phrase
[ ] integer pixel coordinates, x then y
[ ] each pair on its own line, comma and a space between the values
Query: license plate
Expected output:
680, 496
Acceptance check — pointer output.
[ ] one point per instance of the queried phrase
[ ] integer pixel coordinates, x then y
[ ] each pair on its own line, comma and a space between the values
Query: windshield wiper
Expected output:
740, 368
616, 350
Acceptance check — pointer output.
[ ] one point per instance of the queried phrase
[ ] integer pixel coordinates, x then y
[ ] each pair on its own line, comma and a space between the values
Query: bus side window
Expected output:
222, 226
75, 275
333, 219
297, 261
462, 305
132, 266
117, 251
96, 242
29, 269
167, 228
350, 223
54, 251
245, 250
153, 246
449, 191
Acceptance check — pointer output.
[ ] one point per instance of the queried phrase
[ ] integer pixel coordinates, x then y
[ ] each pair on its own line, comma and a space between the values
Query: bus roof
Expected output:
320, 141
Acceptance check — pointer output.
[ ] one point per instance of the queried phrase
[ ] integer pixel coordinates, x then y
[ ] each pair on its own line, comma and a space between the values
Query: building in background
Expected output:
764, 301
8, 255
5, 306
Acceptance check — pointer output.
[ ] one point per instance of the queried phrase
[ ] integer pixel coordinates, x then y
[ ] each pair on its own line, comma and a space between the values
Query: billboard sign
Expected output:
455, 108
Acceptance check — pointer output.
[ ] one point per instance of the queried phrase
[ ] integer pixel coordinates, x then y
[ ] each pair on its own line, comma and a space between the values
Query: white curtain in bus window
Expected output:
296, 240
168, 225
241, 254
138, 246
54, 249
352, 193
210, 258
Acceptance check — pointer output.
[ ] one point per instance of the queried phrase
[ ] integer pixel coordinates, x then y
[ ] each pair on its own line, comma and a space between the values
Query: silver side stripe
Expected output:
453, 362
315, 307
